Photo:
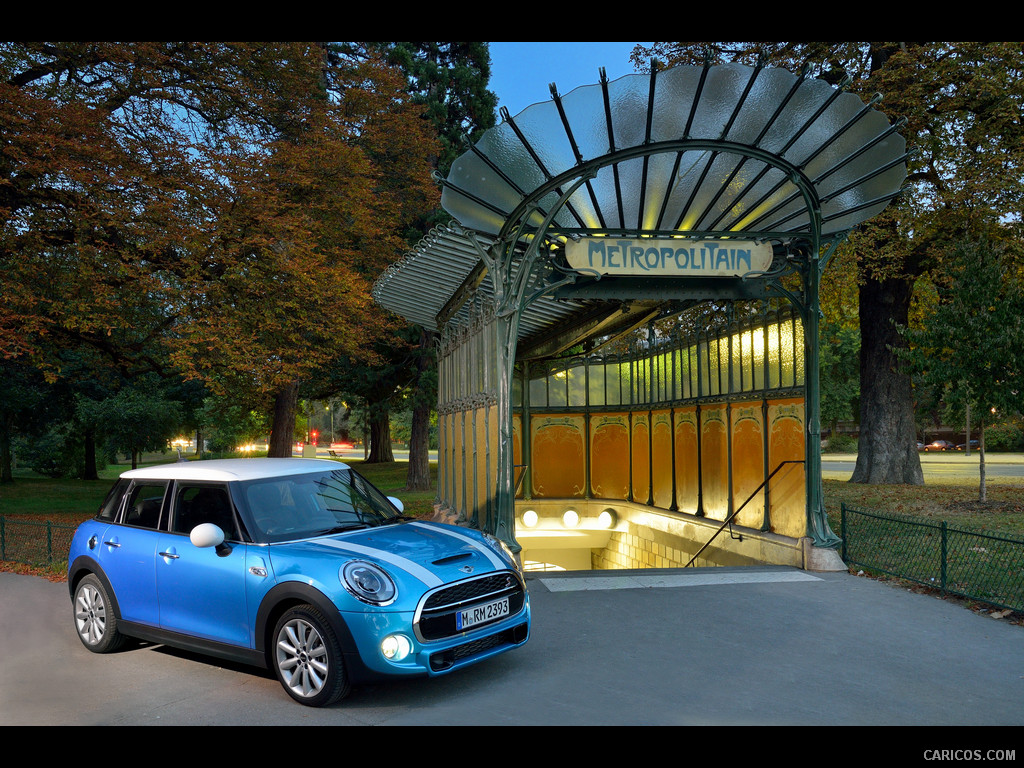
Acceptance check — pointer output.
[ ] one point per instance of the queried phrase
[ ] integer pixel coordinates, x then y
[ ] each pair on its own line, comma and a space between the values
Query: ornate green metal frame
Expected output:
516, 262
516, 214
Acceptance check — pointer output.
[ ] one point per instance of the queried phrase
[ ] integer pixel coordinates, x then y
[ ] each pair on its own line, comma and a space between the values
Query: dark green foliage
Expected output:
972, 348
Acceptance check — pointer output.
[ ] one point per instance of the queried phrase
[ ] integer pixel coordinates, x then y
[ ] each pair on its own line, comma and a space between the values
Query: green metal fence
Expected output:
34, 542
982, 565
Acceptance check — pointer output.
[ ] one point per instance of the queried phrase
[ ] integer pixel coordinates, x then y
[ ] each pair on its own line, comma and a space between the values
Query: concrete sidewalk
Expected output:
721, 646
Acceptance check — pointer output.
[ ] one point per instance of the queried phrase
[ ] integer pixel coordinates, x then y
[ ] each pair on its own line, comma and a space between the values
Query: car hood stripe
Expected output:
485, 551
407, 565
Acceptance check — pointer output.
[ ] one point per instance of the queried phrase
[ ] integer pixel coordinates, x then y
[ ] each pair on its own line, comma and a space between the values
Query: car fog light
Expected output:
395, 647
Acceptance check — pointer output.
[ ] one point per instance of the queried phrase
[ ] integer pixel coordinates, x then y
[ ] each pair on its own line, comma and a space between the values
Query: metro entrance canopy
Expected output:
592, 213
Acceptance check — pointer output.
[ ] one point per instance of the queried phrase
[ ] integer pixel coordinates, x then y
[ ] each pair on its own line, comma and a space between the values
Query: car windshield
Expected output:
300, 506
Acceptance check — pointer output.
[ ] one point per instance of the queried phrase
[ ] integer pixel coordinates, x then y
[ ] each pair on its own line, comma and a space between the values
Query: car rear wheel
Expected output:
307, 658
95, 621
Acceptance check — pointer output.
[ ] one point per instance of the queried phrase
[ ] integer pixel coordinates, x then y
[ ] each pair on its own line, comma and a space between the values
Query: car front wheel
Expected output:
307, 658
94, 616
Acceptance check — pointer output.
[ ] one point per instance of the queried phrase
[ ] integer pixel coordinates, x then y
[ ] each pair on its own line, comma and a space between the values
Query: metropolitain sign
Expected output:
668, 257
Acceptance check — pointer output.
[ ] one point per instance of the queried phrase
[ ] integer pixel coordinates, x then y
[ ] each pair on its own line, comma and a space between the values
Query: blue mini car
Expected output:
300, 566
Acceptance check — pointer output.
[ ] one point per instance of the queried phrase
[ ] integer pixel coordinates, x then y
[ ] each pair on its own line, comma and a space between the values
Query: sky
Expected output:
521, 72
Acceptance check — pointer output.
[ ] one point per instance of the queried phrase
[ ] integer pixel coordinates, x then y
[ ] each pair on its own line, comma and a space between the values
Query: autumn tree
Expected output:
204, 208
962, 103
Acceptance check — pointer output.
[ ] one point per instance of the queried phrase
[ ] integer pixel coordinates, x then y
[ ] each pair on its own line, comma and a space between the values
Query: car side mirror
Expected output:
397, 502
209, 535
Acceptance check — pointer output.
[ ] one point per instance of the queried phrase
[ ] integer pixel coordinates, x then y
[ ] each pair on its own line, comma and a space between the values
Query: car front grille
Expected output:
436, 616
439, 662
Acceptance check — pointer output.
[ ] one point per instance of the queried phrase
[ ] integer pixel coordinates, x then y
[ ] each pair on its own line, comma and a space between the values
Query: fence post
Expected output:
842, 528
942, 565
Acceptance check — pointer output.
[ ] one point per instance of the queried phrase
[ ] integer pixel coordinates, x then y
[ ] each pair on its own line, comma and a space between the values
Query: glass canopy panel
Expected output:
805, 123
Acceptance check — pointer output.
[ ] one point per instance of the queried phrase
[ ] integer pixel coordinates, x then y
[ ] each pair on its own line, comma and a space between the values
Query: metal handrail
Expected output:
519, 480
728, 521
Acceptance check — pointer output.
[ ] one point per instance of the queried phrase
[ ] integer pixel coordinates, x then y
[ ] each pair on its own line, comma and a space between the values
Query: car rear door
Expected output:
128, 548
202, 590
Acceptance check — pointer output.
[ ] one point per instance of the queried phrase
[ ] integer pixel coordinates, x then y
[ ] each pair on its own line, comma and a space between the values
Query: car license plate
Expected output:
481, 613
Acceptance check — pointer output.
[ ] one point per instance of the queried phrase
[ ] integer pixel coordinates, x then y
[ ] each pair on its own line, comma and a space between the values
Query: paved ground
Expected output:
754, 646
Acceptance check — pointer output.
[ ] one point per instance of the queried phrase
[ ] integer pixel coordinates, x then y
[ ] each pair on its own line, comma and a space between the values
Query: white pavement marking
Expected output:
673, 580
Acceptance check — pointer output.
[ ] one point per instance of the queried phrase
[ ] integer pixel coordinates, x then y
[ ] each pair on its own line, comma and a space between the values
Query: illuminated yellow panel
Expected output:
443, 458
661, 458
641, 456
748, 462
517, 450
459, 462
480, 449
787, 489
609, 455
686, 460
492, 424
714, 444
556, 447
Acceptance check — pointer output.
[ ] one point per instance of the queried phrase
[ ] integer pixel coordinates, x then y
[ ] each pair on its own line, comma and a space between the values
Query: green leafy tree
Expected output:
840, 381
133, 421
27, 404
227, 423
972, 348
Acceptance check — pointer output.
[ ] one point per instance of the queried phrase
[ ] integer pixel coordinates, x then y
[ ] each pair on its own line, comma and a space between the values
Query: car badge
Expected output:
466, 568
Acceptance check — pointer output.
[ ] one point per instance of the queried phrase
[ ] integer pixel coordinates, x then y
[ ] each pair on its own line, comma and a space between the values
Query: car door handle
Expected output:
111, 544
168, 555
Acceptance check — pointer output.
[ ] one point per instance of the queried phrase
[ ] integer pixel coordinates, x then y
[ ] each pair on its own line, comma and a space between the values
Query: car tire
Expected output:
95, 619
307, 659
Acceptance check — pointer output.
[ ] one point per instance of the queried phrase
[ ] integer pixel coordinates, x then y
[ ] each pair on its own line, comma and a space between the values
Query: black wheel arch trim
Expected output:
85, 565
291, 593
296, 592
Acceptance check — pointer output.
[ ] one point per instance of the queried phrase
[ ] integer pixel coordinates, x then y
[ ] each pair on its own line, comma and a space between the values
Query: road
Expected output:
711, 646
937, 465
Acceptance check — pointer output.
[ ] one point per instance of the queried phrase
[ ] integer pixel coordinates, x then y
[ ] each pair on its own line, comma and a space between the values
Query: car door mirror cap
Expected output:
397, 502
207, 535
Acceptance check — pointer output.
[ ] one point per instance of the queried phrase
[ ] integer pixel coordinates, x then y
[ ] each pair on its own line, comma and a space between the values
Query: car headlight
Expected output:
368, 582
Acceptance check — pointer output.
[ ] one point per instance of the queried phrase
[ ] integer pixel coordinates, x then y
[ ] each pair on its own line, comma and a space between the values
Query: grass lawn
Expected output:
955, 502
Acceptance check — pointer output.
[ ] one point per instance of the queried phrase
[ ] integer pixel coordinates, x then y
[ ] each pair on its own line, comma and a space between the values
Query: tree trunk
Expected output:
282, 431
887, 451
380, 437
89, 470
6, 461
982, 490
418, 476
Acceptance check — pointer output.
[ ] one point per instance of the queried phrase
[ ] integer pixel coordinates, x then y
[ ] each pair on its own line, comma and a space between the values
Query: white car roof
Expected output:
233, 469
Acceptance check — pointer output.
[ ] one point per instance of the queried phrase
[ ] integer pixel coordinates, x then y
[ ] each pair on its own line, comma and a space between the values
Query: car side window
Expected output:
111, 504
195, 504
145, 503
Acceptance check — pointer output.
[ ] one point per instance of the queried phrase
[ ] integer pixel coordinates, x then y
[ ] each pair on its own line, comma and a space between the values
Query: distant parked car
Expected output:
974, 445
939, 445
